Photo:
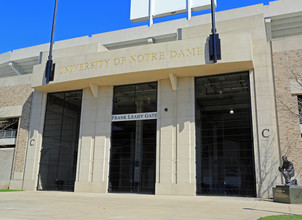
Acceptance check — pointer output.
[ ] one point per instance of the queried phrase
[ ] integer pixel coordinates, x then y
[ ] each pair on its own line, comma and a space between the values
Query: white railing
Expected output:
8, 134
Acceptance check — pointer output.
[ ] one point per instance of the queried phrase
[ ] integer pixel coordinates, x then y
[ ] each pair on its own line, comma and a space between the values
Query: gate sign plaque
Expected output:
135, 116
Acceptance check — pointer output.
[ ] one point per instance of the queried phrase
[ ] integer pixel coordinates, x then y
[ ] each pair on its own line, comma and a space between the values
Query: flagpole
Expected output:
49, 65
214, 41
213, 31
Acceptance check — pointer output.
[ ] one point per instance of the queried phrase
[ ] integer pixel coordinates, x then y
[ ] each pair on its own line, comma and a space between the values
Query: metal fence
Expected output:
8, 134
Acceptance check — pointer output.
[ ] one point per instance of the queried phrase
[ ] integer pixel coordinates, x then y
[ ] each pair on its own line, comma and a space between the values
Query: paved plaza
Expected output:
67, 205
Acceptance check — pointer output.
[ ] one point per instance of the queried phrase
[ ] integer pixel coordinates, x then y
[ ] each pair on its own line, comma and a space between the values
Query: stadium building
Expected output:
144, 110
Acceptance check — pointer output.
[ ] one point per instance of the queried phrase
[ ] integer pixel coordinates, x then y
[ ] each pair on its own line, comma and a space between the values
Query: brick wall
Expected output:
6, 159
287, 64
16, 96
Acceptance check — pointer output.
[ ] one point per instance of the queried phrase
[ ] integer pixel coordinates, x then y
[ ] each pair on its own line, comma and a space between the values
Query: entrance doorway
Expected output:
60, 141
133, 139
224, 140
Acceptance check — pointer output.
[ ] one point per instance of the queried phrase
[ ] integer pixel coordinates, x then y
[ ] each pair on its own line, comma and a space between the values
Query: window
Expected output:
8, 132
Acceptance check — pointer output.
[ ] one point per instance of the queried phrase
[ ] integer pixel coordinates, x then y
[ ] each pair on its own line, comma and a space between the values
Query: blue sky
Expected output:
25, 23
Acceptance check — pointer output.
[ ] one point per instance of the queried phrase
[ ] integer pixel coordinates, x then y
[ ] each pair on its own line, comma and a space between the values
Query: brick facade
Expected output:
20, 95
287, 65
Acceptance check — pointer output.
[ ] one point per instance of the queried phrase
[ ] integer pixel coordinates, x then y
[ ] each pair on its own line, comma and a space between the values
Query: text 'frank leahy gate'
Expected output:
133, 139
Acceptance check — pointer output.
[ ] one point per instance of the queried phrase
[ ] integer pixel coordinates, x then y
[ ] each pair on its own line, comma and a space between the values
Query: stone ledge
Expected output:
290, 195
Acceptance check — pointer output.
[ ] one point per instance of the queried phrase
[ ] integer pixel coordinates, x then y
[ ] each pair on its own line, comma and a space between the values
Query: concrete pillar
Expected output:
94, 141
175, 170
34, 144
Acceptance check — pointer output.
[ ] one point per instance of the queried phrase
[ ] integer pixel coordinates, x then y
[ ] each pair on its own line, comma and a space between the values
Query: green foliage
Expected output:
8, 190
282, 217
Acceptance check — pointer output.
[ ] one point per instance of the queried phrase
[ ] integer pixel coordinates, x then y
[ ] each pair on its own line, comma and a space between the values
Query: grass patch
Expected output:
282, 217
9, 190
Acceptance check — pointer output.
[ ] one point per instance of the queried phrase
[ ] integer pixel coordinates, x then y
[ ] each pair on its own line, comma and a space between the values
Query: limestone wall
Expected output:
176, 170
94, 141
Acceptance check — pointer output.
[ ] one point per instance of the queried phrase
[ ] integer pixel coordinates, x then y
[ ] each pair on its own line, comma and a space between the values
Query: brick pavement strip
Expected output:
65, 205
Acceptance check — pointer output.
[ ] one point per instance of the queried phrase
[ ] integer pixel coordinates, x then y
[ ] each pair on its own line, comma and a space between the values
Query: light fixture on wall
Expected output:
148, 100
232, 111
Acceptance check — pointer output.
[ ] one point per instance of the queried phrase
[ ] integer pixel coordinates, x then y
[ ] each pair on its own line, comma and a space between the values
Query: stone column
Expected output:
94, 141
175, 170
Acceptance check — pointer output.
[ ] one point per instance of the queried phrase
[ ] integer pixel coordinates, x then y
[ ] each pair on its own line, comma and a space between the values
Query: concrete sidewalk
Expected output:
65, 205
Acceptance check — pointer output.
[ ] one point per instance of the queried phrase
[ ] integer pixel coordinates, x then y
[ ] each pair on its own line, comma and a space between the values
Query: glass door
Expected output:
133, 139
224, 141
60, 141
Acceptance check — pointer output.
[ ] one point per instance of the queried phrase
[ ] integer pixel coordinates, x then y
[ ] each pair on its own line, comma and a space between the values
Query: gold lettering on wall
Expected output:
199, 51
123, 59
152, 57
107, 62
117, 61
132, 59
140, 58
161, 55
